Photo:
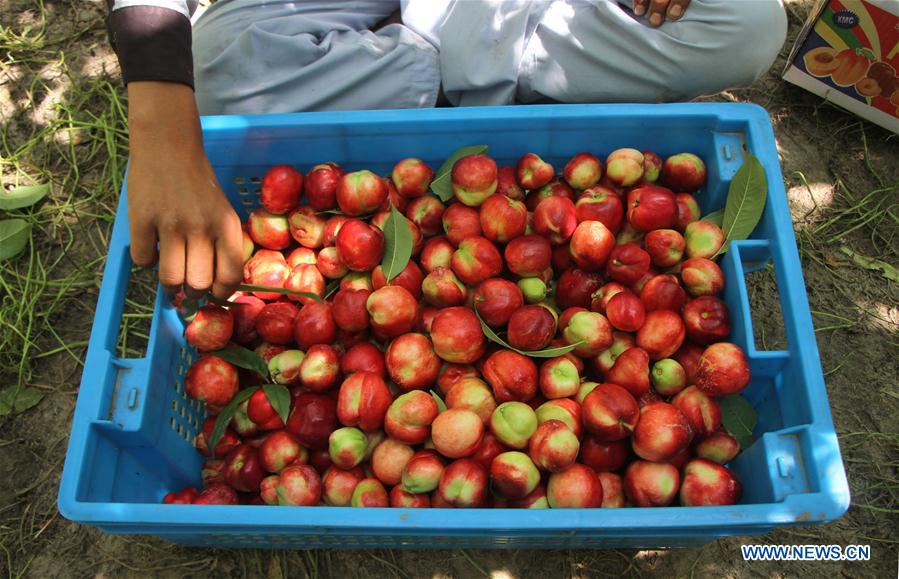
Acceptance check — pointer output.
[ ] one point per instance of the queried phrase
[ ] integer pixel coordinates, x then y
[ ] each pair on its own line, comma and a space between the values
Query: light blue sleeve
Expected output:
265, 56
496, 53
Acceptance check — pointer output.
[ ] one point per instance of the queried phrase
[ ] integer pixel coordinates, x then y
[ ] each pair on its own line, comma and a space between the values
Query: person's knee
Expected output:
754, 34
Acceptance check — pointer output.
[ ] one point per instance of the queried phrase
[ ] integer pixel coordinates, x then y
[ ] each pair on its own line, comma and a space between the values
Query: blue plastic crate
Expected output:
133, 426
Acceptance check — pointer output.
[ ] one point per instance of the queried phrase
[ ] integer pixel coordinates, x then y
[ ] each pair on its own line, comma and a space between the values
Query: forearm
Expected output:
163, 120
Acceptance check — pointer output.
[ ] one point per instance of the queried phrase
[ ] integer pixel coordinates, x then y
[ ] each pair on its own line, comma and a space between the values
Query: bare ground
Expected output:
840, 172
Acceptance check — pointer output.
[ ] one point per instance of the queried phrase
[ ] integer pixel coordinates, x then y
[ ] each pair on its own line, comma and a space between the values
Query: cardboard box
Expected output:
848, 53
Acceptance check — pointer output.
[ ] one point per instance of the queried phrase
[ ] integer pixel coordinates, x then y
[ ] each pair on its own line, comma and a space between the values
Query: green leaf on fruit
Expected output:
249, 287
716, 217
22, 196
397, 244
442, 184
745, 204
244, 358
885, 269
441, 405
14, 236
738, 418
17, 400
279, 397
218, 301
332, 287
545, 353
224, 418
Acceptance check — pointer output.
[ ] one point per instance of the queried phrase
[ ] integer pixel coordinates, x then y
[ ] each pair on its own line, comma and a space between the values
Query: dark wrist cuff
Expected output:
152, 43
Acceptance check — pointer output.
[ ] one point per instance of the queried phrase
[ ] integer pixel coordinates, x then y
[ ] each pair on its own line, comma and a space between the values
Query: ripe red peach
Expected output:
582, 171
702, 277
409, 417
338, 485
457, 336
321, 186
612, 490
348, 310
576, 487
706, 320
211, 380
329, 264
400, 499
496, 299
360, 246
532, 172
411, 362
280, 449
412, 177
700, 409
624, 167
559, 378
275, 322
661, 334
243, 471
531, 327
663, 292
305, 278
703, 239
301, 255
472, 394
457, 433
555, 218
460, 222
553, 446
718, 447
684, 172
437, 252
307, 227
332, 228
281, 188
427, 213
393, 311
687, 210
627, 263
555, 188
503, 219
590, 245
422, 472
360, 193
651, 484
463, 483
511, 376
631, 371
664, 246
625, 312
513, 474
591, 332
507, 185
707, 483
662, 431
528, 255
536, 499
600, 204
389, 459
722, 370
441, 288
363, 401
473, 179
610, 412
370, 492
269, 230
604, 456
651, 207
575, 288
211, 328
475, 260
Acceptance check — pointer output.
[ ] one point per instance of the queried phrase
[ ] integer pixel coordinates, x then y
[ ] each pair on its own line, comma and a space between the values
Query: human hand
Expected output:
657, 11
174, 198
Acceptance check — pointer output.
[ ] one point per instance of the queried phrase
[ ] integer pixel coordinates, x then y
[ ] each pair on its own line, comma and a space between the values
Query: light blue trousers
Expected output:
271, 56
